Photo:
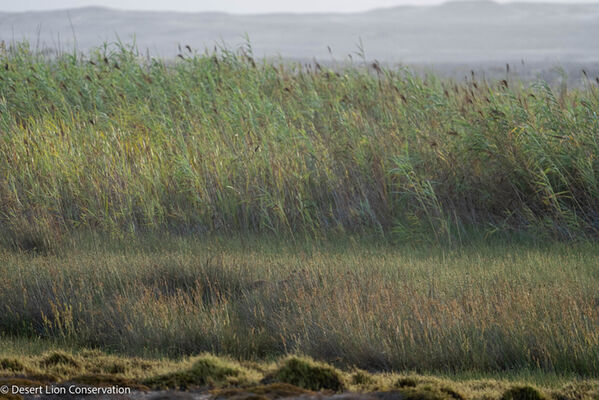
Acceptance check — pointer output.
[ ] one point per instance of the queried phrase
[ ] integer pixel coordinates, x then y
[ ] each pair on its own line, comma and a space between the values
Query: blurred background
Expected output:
538, 39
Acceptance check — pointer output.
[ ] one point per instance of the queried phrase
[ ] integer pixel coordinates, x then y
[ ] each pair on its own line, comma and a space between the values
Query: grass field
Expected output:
477, 309
152, 211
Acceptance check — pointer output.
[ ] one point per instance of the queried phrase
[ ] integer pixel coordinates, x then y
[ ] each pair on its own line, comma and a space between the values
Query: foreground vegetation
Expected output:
478, 309
286, 377
119, 143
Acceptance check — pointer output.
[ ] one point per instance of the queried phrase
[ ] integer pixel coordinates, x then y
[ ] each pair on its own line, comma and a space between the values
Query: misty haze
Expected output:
467, 33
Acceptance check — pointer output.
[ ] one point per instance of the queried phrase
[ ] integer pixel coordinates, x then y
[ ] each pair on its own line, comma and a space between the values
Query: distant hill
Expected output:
458, 31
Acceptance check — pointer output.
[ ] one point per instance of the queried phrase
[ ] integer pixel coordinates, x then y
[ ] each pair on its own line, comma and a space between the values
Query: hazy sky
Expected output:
234, 6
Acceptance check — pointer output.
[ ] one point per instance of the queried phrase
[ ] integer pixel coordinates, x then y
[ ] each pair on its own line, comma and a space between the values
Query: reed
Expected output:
218, 142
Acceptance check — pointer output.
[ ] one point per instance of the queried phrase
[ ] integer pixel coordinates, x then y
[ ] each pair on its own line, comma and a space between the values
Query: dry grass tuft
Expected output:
59, 358
11, 364
523, 393
205, 371
309, 374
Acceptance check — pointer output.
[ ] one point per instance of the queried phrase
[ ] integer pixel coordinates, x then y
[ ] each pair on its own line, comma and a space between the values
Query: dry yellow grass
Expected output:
227, 378
479, 309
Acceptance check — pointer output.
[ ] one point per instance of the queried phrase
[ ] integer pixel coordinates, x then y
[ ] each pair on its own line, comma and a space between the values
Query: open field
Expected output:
152, 211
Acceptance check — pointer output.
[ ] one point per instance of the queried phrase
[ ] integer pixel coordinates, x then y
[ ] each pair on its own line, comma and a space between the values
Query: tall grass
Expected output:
485, 309
113, 142
218, 142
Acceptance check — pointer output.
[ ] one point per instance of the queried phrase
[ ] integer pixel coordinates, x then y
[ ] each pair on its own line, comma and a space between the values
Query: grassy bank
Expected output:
480, 309
115, 142
292, 376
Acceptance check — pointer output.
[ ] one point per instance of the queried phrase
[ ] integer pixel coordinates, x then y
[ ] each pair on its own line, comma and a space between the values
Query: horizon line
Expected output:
432, 5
